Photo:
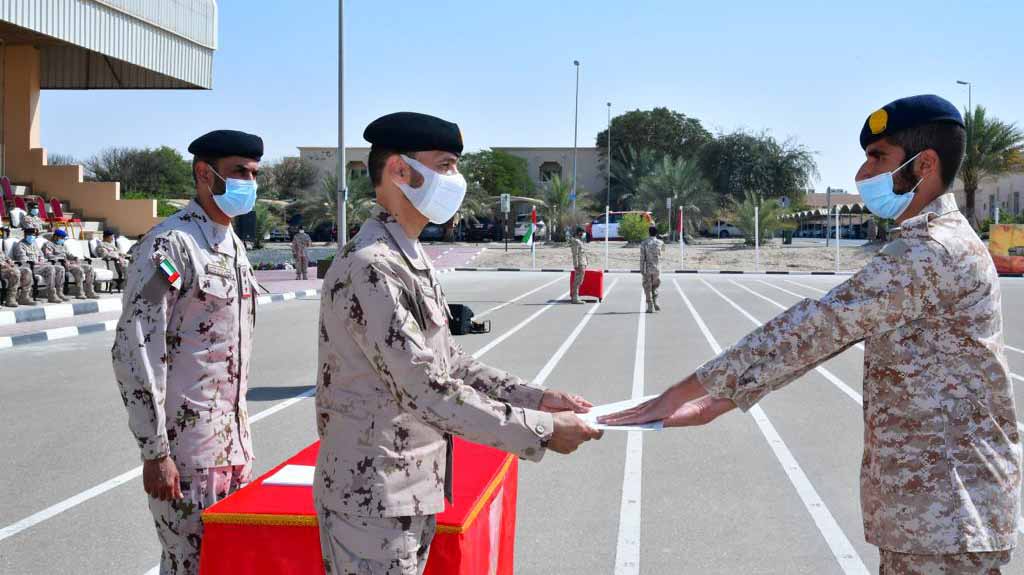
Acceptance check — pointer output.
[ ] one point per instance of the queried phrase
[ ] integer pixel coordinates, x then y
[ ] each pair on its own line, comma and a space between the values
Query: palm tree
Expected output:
627, 172
559, 207
682, 180
994, 148
767, 217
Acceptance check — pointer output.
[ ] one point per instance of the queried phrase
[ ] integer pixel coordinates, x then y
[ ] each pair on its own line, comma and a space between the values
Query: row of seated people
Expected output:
21, 212
34, 267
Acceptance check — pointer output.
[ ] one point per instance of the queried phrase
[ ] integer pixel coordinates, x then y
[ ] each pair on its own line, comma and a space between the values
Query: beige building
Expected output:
542, 163
1005, 192
93, 45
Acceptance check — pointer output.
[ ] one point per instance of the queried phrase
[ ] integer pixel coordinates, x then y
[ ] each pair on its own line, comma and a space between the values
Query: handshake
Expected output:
684, 404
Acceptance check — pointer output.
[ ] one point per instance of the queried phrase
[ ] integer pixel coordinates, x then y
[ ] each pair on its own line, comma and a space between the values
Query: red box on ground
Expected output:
272, 529
593, 283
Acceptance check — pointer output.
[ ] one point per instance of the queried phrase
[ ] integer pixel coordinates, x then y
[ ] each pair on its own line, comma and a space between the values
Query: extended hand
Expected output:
554, 401
570, 431
160, 479
684, 404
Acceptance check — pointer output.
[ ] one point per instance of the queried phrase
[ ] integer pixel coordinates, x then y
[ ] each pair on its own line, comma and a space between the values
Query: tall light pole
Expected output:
608, 191
970, 104
575, 133
342, 200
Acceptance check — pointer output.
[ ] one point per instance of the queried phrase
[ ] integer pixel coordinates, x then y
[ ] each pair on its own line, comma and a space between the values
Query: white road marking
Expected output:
542, 375
846, 556
627, 549
515, 299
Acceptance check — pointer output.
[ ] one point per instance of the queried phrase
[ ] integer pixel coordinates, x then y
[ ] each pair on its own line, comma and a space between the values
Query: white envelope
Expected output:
599, 410
297, 475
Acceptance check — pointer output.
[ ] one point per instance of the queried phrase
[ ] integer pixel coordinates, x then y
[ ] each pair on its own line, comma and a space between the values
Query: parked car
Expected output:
432, 233
523, 220
483, 229
278, 236
726, 230
596, 228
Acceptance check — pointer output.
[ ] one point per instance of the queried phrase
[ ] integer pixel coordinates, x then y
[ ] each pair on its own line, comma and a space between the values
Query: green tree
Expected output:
498, 172
768, 213
60, 160
681, 180
159, 173
320, 204
559, 207
266, 220
628, 170
291, 178
737, 162
994, 148
665, 132
634, 228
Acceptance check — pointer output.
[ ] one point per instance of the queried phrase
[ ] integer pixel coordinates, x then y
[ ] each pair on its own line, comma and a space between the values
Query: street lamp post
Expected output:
970, 104
575, 133
608, 191
342, 189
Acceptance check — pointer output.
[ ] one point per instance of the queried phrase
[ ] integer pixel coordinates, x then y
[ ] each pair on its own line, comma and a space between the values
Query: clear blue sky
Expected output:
503, 70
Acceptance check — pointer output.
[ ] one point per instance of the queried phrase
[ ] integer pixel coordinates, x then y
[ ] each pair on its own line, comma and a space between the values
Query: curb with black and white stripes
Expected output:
109, 325
684, 272
59, 311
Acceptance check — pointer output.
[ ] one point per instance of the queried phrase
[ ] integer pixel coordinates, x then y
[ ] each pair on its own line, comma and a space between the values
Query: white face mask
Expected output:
440, 195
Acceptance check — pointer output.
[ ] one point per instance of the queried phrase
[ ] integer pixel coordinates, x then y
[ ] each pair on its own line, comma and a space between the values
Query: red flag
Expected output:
533, 215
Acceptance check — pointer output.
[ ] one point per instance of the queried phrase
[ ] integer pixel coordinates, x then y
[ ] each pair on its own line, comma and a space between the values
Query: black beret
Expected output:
224, 143
413, 132
907, 113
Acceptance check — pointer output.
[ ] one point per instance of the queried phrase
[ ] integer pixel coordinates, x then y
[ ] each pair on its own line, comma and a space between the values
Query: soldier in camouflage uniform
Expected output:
300, 243
31, 220
108, 251
941, 473
183, 346
579, 262
26, 252
85, 276
392, 385
19, 282
650, 268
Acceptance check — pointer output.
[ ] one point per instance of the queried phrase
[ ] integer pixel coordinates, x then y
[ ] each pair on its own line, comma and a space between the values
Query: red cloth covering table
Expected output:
272, 529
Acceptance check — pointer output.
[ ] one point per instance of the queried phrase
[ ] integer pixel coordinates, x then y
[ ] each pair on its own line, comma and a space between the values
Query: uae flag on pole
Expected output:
528, 236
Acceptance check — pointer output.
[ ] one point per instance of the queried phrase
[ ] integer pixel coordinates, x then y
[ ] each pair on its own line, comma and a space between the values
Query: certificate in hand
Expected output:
608, 408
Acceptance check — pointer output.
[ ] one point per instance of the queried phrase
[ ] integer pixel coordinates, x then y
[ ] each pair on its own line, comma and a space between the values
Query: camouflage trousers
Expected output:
84, 276
16, 278
178, 523
375, 546
53, 276
577, 282
651, 282
301, 267
893, 563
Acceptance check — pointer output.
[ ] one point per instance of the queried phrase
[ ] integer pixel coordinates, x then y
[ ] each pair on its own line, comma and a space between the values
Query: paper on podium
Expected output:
608, 408
297, 475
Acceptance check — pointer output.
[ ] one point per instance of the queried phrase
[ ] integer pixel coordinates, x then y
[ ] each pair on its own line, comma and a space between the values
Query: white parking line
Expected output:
627, 549
845, 555
1016, 349
542, 375
515, 299
493, 344
75, 500
828, 375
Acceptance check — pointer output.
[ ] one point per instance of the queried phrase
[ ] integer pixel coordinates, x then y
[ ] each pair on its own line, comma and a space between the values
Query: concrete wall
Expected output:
25, 159
325, 159
590, 172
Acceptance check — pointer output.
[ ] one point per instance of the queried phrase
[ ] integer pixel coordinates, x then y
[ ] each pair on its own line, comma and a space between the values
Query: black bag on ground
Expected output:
462, 321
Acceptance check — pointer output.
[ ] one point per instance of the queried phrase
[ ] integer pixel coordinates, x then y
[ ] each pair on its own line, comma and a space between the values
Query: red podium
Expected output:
272, 529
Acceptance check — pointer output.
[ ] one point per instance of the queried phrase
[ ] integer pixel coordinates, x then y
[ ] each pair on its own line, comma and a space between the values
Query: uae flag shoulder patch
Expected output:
173, 277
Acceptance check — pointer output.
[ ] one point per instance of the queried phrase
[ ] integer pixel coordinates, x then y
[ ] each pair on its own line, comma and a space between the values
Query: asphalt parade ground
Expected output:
771, 491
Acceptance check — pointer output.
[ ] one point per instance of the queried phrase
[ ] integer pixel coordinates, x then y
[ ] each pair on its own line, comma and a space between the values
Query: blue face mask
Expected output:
239, 196
34, 211
30, 239
60, 241
880, 197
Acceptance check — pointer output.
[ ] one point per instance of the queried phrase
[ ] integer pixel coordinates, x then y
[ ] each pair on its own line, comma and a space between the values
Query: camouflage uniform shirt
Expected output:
579, 254
181, 356
650, 256
392, 385
941, 471
300, 242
